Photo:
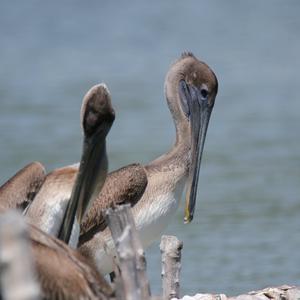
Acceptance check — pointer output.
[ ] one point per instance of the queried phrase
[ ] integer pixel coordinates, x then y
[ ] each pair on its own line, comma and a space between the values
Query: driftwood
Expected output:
133, 279
284, 292
170, 248
16, 266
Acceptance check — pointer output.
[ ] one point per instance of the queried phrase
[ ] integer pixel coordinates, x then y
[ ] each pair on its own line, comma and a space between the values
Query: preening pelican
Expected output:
59, 199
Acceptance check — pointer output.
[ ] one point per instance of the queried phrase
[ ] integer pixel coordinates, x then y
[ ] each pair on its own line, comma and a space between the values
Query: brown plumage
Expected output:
20, 189
62, 272
131, 182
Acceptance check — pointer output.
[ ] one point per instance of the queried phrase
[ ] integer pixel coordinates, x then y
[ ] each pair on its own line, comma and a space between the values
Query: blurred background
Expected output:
246, 231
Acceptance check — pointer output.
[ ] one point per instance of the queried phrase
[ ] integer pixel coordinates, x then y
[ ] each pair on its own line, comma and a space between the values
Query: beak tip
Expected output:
188, 219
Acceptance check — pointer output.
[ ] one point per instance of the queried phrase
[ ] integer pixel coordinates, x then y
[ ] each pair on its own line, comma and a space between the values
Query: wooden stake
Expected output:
130, 253
170, 248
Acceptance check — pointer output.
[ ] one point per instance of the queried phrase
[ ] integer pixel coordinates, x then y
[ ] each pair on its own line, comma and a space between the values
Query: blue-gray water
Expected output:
246, 232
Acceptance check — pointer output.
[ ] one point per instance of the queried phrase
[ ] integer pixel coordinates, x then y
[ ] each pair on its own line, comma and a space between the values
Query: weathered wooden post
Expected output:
16, 266
170, 248
132, 262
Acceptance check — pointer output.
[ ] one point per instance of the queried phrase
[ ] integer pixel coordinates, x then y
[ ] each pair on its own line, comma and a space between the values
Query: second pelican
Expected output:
191, 88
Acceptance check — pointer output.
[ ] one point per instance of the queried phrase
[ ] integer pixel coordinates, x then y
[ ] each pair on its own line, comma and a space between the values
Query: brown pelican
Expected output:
20, 190
51, 209
190, 88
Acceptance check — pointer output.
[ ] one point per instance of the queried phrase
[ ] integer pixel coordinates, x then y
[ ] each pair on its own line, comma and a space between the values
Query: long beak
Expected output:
90, 179
199, 113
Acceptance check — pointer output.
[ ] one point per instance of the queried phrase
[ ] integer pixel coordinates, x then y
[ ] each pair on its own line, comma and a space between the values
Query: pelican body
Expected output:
190, 88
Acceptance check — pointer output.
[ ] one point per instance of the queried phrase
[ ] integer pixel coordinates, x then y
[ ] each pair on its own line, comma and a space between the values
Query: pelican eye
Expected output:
204, 93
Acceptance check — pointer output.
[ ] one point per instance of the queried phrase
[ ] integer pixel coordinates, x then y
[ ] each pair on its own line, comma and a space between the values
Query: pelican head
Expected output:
191, 88
97, 116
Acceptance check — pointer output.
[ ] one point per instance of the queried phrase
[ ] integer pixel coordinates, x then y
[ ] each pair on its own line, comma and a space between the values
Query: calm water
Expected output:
246, 233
